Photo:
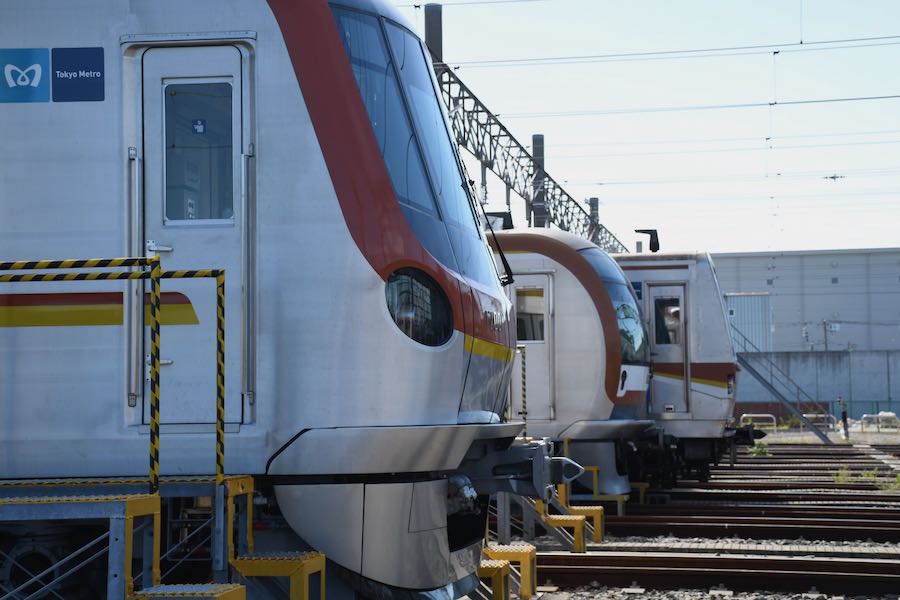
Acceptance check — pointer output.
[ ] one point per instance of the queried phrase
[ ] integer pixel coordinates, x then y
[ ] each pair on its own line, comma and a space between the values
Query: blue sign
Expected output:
78, 75
638, 289
198, 125
26, 75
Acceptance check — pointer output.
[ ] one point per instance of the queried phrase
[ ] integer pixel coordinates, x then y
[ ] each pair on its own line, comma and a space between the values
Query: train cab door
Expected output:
668, 348
193, 136
532, 381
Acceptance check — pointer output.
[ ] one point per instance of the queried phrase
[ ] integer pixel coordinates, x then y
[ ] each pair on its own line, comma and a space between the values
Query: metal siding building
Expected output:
751, 314
830, 319
819, 300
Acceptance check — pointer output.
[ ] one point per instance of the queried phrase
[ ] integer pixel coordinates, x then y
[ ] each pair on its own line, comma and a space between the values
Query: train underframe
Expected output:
662, 460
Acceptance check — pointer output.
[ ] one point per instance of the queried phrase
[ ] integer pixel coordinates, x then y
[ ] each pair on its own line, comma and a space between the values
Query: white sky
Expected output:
706, 179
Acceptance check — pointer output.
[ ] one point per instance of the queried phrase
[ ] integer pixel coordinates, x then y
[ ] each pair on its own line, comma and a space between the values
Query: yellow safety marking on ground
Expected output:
488, 349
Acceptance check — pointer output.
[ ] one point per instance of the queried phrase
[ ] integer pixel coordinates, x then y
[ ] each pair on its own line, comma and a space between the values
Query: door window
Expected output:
668, 320
530, 314
199, 152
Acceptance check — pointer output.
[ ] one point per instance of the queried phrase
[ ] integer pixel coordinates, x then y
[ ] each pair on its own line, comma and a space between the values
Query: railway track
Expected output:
810, 527
836, 495
673, 570
767, 521
765, 509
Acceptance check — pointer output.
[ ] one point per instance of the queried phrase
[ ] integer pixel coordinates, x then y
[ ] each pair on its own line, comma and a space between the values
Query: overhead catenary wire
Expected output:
789, 176
470, 3
747, 50
758, 138
694, 107
720, 150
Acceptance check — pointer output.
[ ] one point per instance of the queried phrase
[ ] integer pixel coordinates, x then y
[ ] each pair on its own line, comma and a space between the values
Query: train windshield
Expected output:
403, 105
632, 334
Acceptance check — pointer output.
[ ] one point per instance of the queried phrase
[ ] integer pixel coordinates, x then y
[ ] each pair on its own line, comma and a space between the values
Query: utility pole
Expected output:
434, 31
538, 212
594, 208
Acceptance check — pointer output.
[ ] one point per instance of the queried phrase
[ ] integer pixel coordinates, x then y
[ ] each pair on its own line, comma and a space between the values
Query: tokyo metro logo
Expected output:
15, 76
26, 75
52, 75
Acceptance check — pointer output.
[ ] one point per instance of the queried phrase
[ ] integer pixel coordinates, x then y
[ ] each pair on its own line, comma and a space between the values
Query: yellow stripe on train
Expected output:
488, 349
80, 315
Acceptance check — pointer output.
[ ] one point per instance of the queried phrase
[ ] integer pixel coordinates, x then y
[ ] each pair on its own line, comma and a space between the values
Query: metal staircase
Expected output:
777, 382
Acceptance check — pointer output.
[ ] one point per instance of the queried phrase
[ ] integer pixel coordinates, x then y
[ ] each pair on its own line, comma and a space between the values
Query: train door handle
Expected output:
163, 362
152, 246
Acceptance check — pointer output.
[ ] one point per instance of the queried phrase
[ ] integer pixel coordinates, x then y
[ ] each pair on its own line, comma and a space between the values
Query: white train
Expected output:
302, 147
586, 351
693, 359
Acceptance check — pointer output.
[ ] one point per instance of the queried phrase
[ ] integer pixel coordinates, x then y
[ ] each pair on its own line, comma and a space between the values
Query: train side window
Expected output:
667, 320
530, 314
199, 151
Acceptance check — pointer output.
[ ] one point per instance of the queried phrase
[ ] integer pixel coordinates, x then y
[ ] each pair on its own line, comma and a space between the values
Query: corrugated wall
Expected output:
868, 381
751, 314
822, 299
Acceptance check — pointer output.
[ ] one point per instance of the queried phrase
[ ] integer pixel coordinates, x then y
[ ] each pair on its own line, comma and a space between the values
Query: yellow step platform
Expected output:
498, 572
226, 591
298, 567
525, 555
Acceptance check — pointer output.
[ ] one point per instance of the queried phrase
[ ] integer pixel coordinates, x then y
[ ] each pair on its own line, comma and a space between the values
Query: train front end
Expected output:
404, 451
584, 369
302, 147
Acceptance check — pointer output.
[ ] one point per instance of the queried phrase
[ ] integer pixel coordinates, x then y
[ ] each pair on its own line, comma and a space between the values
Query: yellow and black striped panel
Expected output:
74, 263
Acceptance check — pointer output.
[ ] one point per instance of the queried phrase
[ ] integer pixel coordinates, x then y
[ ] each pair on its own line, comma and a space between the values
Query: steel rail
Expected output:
664, 570
807, 527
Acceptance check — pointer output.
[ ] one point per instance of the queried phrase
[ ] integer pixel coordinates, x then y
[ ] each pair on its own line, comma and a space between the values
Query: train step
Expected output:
576, 523
497, 571
298, 567
210, 591
595, 513
525, 556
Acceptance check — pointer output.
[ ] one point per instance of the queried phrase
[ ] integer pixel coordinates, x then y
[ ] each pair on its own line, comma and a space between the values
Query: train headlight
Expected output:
419, 306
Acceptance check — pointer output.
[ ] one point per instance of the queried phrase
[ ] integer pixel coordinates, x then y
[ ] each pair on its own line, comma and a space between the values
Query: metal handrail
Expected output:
49, 570
207, 523
154, 275
785, 380
152, 263
766, 383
